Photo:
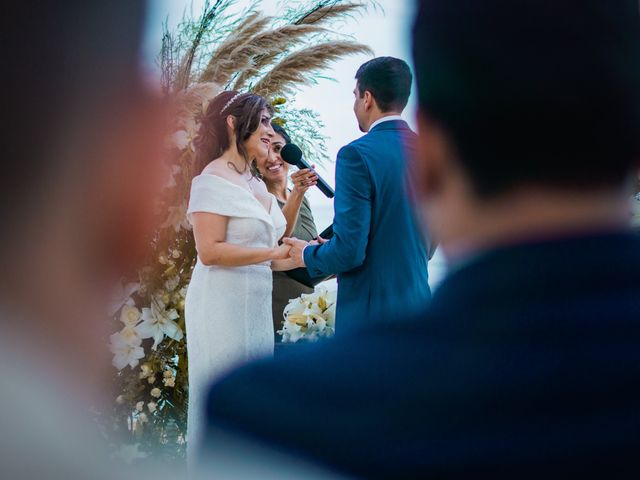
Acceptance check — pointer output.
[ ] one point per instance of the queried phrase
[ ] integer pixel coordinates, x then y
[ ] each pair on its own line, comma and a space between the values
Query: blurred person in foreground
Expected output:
526, 362
81, 146
295, 206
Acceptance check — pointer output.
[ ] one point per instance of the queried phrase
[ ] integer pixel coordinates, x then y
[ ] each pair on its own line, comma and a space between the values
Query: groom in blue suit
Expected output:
377, 250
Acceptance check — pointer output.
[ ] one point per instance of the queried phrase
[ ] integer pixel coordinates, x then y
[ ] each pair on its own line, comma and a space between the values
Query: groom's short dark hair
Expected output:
389, 81
534, 92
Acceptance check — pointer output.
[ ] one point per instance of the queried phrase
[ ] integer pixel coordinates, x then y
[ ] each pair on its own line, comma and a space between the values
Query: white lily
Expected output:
126, 349
121, 295
157, 322
291, 332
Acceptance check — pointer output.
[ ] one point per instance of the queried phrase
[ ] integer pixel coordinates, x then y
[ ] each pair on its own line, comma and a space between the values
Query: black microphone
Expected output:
292, 154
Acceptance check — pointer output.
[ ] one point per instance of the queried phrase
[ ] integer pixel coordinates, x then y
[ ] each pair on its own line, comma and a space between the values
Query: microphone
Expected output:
292, 154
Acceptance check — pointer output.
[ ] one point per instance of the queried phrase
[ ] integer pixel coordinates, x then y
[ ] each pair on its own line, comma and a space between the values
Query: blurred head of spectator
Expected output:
529, 119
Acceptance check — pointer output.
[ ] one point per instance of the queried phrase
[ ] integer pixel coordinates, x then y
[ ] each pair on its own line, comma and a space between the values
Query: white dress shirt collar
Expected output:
388, 118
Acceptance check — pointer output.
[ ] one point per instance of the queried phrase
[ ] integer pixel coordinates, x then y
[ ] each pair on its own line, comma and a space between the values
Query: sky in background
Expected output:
386, 30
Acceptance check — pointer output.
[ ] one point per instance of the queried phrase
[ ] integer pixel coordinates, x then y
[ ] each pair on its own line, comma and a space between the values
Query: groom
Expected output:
377, 250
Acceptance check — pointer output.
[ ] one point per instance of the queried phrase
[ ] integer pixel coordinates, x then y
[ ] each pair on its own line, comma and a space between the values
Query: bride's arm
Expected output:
210, 231
283, 265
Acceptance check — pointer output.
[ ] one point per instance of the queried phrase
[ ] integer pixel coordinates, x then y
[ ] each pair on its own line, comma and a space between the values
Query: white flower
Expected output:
157, 322
152, 406
169, 382
121, 295
330, 315
130, 315
125, 346
172, 283
177, 218
145, 370
291, 332
151, 379
155, 392
129, 453
143, 418
180, 139
140, 406
175, 169
167, 374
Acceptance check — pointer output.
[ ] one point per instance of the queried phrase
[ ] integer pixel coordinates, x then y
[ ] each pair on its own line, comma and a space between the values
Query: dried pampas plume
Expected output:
191, 102
273, 44
328, 13
296, 68
236, 51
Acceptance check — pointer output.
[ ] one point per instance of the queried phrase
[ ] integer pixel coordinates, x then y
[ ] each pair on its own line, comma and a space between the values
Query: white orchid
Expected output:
155, 392
177, 218
152, 406
157, 322
121, 295
125, 345
140, 406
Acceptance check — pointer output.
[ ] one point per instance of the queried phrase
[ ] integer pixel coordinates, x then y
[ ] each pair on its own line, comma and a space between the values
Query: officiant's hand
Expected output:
297, 247
303, 180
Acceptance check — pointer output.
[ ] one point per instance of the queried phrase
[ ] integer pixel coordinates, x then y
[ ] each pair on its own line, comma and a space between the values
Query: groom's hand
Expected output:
297, 249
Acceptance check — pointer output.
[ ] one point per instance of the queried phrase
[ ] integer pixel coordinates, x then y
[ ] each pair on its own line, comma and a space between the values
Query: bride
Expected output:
237, 224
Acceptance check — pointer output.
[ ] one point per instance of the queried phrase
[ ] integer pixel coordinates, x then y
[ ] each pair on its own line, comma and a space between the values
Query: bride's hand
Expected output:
281, 252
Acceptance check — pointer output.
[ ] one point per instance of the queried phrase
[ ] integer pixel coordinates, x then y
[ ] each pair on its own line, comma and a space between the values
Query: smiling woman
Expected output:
236, 224
296, 209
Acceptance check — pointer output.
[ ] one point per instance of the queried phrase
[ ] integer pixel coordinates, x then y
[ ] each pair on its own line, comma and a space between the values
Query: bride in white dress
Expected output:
237, 224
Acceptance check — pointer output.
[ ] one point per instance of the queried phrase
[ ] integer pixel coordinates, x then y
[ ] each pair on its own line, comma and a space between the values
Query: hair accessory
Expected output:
228, 104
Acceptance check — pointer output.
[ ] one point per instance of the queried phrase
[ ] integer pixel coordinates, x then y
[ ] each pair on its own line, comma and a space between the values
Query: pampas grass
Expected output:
273, 44
296, 69
326, 12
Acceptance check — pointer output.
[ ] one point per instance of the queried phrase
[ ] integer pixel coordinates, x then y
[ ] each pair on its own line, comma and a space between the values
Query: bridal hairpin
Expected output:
228, 104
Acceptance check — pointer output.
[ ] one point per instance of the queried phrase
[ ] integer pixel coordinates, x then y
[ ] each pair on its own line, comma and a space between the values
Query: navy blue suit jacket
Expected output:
526, 364
377, 250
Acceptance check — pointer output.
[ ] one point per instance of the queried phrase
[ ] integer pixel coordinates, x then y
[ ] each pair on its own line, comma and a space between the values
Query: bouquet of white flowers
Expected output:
310, 316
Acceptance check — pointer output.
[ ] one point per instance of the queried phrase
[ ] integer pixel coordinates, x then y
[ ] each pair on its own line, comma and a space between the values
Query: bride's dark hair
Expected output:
213, 140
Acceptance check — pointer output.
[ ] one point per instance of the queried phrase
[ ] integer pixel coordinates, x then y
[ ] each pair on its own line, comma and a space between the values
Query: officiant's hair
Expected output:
213, 140
533, 92
389, 81
281, 131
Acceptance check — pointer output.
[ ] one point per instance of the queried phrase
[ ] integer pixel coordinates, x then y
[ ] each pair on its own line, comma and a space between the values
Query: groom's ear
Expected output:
369, 100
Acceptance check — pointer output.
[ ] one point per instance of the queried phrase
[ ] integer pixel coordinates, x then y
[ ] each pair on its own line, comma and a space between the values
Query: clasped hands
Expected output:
296, 248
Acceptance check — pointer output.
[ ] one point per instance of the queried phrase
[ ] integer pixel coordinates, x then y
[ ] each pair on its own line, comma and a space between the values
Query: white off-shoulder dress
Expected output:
228, 309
